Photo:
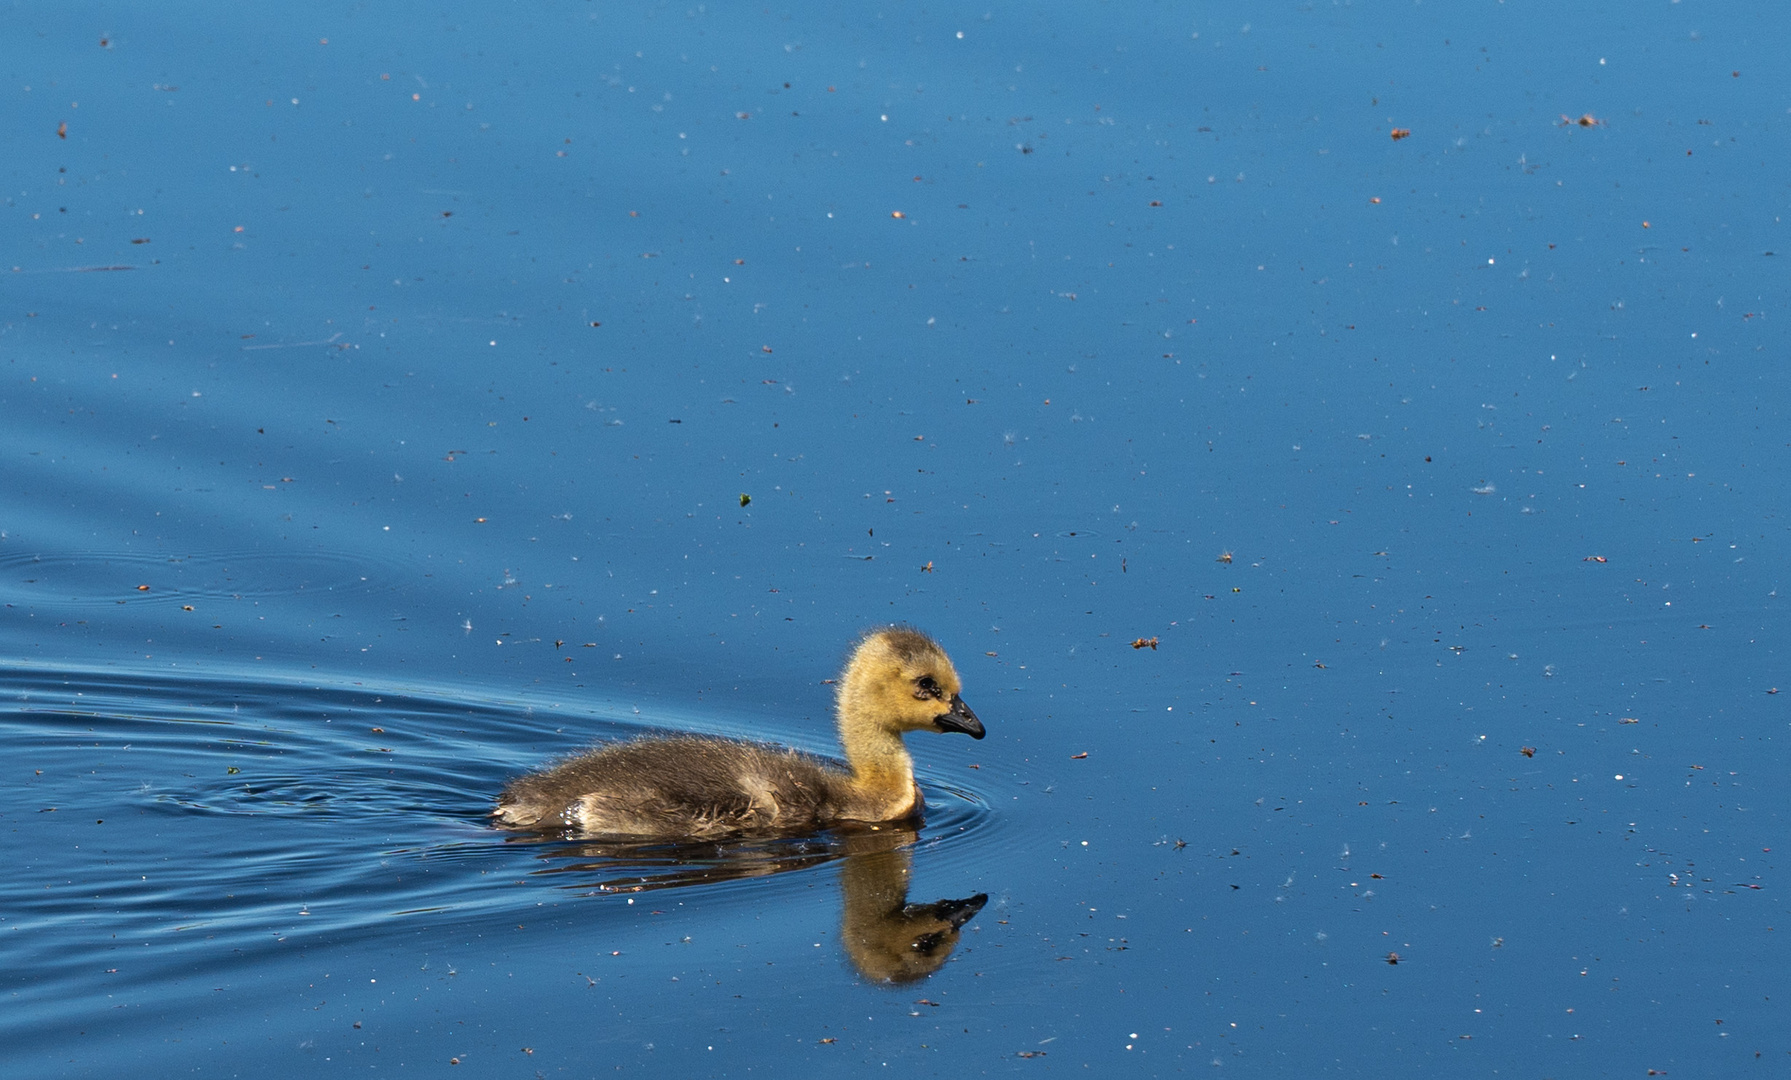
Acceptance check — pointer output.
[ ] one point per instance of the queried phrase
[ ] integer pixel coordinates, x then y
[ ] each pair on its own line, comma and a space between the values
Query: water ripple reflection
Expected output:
206, 821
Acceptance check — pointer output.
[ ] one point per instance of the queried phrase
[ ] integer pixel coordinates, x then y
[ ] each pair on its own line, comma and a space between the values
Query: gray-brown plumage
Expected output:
691, 787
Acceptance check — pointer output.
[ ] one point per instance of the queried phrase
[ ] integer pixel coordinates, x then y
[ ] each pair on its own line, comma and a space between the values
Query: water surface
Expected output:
1365, 552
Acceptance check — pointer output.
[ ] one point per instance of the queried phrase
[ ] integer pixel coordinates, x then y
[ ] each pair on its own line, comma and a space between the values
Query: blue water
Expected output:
400, 397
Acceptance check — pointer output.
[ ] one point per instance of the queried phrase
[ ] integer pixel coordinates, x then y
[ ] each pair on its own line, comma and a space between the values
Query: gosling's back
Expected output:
684, 786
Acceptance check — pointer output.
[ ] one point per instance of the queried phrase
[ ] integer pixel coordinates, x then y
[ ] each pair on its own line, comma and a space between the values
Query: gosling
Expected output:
692, 788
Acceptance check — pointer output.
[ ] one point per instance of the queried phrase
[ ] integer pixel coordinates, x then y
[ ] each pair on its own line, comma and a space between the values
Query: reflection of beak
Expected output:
960, 719
958, 912
953, 913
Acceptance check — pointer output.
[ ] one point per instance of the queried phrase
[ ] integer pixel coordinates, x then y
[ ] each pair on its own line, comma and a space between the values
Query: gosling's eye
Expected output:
925, 687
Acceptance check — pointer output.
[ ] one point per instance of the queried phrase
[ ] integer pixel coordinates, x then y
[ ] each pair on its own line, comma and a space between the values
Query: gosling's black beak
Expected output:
960, 719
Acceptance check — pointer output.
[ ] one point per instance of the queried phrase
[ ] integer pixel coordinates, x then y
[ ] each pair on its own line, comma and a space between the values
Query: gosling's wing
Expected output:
713, 788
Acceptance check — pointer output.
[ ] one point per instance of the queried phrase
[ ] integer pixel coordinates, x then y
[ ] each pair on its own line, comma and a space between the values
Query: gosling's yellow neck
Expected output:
882, 772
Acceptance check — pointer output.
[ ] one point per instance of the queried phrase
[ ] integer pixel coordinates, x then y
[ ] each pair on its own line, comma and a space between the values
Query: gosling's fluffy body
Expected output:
696, 788
685, 787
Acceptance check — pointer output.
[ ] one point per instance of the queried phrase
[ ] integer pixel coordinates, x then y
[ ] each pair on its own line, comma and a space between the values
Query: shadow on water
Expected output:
886, 938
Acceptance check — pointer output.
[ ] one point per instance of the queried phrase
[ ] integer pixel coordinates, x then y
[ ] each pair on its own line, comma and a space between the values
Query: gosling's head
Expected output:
901, 680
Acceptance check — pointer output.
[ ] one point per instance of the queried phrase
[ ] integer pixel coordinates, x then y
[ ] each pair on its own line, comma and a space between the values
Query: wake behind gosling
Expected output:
703, 788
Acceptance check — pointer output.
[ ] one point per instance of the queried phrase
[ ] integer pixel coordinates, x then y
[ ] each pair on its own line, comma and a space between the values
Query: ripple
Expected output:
229, 802
223, 824
96, 578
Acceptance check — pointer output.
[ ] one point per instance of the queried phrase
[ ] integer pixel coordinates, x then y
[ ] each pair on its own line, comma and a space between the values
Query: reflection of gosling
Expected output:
887, 938
898, 680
